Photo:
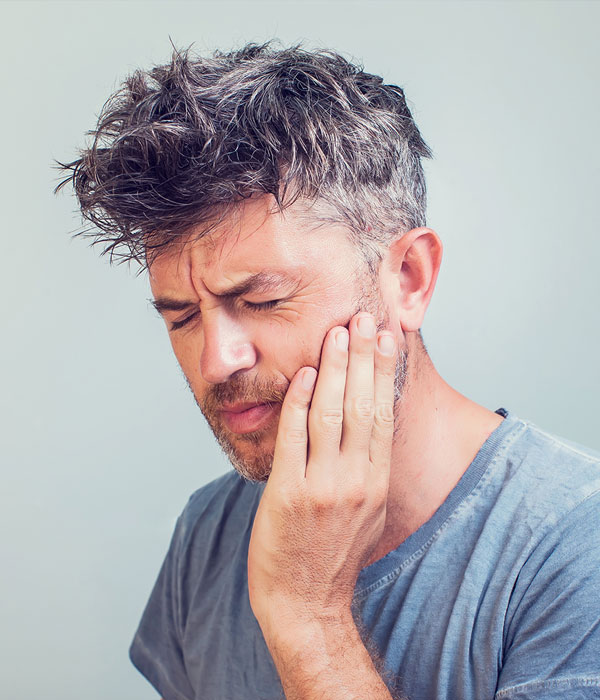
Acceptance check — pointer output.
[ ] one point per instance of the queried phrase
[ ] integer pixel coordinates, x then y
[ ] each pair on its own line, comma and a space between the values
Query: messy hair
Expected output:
180, 146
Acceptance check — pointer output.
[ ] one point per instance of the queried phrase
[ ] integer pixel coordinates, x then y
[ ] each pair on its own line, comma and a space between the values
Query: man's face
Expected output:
246, 307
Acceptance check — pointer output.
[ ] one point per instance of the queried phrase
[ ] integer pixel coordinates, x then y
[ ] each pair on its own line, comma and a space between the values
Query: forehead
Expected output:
255, 239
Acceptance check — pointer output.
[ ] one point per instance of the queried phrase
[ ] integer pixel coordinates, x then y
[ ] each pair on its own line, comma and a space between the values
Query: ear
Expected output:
410, 271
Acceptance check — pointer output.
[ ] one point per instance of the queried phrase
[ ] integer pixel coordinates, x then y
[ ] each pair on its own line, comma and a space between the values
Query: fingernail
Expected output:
366, 326
308, 378
341, 340
386, 344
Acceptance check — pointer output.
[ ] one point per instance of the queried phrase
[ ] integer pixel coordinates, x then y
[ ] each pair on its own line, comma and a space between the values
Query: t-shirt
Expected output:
496, 596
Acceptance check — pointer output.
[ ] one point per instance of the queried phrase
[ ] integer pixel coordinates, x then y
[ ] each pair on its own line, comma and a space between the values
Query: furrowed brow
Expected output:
257, 283
162, 304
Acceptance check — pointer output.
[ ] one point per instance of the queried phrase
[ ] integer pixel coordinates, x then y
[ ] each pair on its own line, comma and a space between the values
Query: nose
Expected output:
227, 347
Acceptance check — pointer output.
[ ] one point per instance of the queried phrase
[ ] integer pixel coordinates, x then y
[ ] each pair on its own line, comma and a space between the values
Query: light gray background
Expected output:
101, 443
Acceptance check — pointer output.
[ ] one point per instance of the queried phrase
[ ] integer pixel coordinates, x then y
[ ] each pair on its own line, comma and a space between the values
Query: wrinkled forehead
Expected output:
254, 238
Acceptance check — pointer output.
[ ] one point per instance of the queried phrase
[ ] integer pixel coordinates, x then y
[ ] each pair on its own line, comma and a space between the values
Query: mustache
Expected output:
241, 389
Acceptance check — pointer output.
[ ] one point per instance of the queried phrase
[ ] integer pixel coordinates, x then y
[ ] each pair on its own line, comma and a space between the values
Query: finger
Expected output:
383, 421
291, 444
358, 398
327, 407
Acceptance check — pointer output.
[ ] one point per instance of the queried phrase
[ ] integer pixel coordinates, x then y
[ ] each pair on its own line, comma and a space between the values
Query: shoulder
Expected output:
553, 476
206, 558
552, 621
217, 518
539, 496
555, 528
227, 492
545, 443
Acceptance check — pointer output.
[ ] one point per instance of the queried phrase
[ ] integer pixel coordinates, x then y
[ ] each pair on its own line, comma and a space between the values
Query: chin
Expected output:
251, 455
257, 471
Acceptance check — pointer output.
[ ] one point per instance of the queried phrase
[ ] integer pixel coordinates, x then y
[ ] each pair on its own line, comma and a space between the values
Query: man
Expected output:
390, 537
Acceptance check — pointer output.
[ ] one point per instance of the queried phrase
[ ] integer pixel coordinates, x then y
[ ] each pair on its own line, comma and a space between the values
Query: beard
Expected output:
251, 454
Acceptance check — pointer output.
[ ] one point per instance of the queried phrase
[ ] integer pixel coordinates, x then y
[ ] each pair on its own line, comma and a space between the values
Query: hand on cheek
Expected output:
323, 509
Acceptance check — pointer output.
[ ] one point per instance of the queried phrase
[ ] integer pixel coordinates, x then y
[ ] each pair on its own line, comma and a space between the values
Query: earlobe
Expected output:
414, 260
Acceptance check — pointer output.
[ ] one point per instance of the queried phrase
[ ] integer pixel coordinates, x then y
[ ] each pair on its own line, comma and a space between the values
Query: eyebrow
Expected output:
257, 283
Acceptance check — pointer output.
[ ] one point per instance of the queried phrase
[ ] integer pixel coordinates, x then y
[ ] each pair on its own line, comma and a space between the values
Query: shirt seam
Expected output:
558, 441
571, 681
517, 430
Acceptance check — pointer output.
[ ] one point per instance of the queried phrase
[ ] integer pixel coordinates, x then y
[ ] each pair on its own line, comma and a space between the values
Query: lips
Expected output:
246, 417
240, 407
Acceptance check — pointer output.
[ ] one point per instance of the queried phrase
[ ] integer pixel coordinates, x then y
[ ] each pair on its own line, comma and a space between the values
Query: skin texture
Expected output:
230, 352
356, 462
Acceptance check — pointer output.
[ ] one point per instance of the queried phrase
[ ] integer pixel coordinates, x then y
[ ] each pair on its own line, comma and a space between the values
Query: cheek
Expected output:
283, 348
298, 347
188, 351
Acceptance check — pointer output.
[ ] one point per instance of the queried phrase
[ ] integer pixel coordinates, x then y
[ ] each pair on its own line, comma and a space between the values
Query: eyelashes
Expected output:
262, 306
175, 325
247, 305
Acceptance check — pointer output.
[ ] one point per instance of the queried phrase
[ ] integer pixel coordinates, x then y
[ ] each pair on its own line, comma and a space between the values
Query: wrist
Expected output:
307, 630
326, 656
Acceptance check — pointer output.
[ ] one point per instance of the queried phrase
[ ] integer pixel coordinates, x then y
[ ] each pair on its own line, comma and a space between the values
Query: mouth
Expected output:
247, 417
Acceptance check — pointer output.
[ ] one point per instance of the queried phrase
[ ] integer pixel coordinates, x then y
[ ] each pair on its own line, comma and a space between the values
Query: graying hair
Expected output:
182, 145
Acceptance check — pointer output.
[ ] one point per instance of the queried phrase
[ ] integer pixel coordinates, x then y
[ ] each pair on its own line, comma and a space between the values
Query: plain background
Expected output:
101, 442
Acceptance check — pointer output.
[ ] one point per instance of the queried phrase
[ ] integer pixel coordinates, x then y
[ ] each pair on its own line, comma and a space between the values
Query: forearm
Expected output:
326, 660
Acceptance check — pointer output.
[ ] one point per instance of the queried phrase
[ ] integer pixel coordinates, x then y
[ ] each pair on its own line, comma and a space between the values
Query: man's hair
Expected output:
182, 145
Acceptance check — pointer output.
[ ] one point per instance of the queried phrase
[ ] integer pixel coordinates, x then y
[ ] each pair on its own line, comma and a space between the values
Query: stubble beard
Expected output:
250, 454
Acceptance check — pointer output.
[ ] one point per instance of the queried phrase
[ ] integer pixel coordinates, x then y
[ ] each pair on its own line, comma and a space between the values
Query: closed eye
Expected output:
184, 321
261, 306
250, 306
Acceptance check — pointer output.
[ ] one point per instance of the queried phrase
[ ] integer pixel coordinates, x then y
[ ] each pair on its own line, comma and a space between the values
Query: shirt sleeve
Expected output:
156, 650
552, 630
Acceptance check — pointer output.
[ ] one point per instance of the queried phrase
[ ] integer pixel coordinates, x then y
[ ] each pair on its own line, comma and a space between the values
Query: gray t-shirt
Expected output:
496, 596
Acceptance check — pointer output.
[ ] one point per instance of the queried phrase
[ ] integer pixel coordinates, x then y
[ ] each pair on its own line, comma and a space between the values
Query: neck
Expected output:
439, 432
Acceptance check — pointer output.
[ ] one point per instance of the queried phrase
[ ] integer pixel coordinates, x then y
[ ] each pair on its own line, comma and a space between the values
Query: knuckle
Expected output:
330, 416
362, 408
384, 413
287, 500
357, 495
294, 436
325, 501
297, 403
387, 368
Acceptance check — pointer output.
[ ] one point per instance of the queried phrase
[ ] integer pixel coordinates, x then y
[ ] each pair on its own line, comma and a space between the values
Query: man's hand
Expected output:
323, 509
